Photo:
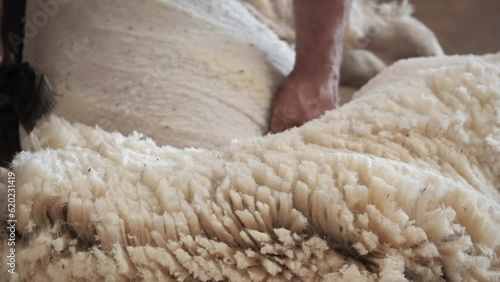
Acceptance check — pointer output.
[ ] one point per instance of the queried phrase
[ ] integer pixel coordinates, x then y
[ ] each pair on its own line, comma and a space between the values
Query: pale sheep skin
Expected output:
195, 73
400, 184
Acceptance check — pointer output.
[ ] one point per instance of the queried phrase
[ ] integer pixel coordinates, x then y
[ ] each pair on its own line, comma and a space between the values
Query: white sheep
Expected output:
400, 184
194, 74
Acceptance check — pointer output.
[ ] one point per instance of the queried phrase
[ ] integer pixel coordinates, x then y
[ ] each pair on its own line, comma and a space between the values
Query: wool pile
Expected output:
401, 184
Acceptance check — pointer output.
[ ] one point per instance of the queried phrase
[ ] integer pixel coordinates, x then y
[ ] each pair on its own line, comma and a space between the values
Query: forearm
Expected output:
320, 26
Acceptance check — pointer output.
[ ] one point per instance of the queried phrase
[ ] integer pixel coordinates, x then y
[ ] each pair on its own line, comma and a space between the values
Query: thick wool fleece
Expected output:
400, 184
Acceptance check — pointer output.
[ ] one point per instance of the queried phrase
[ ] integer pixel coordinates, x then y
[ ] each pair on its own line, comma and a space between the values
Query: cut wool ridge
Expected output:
400, 184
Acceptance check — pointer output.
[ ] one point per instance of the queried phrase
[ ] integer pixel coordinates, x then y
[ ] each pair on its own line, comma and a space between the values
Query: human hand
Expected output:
301, 98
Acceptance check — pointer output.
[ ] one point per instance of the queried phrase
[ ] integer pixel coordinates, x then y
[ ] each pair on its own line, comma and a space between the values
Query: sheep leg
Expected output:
358, 67
398, 37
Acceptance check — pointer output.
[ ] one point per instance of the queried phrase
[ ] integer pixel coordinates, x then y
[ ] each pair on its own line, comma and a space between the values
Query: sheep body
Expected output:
404, 189
377, 34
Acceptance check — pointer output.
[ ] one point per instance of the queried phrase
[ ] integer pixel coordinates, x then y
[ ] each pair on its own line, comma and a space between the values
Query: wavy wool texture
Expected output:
400, 184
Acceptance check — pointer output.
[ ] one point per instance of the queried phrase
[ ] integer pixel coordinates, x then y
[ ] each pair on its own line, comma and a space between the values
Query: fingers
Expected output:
279, 122
285, 117
291, 114
291, 110
301, 98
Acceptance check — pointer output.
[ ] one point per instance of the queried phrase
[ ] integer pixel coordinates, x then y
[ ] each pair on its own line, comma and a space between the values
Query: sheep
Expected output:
195, 74
160, 75
401, 184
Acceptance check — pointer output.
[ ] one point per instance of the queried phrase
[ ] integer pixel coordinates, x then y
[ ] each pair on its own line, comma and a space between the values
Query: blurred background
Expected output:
462, 26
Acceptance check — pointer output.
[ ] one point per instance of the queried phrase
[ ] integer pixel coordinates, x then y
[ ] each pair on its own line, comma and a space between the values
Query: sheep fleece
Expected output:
400, 184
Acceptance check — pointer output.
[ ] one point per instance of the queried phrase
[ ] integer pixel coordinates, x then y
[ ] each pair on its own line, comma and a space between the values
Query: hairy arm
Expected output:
312, 86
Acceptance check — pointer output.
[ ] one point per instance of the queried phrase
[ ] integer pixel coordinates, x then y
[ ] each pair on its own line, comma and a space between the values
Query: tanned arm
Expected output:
312, 87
